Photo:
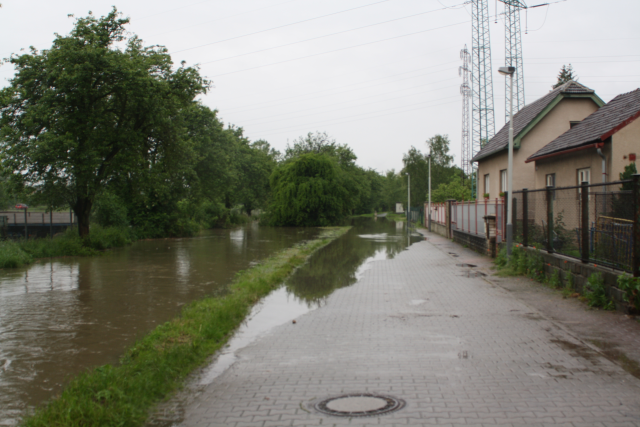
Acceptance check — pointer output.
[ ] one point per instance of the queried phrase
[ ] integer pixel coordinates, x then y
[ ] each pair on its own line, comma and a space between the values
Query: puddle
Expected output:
277, 308
466, 265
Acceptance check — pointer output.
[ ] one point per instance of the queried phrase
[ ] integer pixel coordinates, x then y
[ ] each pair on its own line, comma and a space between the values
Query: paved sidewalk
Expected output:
458, 349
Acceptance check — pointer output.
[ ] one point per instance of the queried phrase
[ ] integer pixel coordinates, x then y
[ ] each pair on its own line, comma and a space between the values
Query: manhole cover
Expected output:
359, 405
466, 265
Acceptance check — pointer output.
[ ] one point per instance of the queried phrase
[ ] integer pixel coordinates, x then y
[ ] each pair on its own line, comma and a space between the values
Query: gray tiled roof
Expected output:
523, 117
595, 127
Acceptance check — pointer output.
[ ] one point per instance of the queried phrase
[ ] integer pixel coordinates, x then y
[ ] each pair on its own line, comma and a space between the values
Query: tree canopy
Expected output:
95, 106
308, 190
565, 75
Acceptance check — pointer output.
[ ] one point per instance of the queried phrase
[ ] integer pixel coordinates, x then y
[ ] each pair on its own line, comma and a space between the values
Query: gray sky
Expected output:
378, 75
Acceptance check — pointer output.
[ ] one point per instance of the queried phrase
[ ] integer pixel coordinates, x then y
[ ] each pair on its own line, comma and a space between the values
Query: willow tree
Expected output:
96, 104
308, 190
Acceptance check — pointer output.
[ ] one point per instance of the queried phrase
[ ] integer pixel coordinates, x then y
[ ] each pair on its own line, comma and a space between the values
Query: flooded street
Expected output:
60, 317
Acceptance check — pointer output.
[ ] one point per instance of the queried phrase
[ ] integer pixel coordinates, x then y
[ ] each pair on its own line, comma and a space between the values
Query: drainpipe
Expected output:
604, 165
604, 178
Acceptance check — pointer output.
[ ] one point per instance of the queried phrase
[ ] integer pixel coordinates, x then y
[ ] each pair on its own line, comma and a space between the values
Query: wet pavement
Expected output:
444, 340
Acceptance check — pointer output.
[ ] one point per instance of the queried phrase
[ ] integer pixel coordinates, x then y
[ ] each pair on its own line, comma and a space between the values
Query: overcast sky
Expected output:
378, 75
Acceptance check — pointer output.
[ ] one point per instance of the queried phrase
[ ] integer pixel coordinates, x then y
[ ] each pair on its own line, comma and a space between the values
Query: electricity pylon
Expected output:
483, 119
513, 53
465, 91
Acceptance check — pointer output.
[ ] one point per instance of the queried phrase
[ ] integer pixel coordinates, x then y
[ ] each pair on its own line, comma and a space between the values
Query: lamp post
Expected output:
429, 218
408, 199
509, 71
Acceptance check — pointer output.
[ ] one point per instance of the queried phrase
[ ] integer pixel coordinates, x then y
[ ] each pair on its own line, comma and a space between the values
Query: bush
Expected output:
12, 256
554, 280
631, 288
595, 293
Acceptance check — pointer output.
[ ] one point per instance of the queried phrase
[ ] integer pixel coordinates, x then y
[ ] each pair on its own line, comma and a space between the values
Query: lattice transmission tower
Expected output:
513, 53
483, 119
465, 91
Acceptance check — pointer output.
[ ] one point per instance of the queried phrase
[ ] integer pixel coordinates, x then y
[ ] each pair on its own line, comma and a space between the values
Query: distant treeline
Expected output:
111, 128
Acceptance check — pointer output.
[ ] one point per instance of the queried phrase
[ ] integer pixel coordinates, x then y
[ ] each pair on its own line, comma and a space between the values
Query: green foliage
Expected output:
555, 281
15, 254
565, 75
309, 190
96, 105
442, 171
595, 293
156, 365
631, 287
568, 287
454, 189
110, 211
12, 255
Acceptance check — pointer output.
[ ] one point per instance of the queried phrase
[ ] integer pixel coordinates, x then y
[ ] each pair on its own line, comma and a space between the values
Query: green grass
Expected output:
158, 364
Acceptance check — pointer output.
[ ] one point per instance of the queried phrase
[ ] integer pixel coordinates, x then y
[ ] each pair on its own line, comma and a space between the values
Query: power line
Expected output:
223, 18
327, 123
282, 26
325, 94
324, 36
337, 50
289, 117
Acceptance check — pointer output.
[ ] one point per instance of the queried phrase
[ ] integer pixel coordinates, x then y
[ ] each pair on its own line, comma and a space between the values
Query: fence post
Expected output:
448, 218
549, 219
585, 222
525, 217
505, 210
514, 216
635, 262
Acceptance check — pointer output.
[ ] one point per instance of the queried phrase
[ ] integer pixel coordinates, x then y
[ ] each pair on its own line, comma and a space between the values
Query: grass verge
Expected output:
155, 366
22, 252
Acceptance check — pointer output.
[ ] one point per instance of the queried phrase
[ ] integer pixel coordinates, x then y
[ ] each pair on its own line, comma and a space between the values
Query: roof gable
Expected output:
599, 126
529, 116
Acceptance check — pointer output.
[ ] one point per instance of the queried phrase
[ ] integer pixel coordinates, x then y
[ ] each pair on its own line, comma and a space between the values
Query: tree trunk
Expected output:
82, 209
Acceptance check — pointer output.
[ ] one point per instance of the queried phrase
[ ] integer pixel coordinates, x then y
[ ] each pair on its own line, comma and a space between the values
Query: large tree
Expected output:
308, 190
97, 104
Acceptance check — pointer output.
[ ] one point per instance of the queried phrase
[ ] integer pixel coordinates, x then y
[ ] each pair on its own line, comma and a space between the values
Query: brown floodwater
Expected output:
63, 316
60, 317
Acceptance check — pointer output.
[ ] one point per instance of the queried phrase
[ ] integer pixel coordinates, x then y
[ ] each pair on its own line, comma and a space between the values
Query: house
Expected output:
596, 149
534, 126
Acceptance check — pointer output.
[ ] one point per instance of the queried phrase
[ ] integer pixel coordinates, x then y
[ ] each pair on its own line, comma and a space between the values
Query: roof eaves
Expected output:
518, 138
620, 126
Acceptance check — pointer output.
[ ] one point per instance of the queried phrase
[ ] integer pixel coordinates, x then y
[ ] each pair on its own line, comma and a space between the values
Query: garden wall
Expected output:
581, 272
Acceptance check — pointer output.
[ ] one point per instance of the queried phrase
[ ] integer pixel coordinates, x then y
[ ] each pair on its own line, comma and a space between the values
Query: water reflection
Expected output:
341, 263
60, 317
344, 261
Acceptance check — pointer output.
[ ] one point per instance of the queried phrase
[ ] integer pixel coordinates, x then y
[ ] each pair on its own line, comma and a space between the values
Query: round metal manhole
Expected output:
359, 405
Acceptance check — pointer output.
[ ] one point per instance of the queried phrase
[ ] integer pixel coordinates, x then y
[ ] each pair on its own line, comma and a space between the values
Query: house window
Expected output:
572, 124
487, 188
503, 181
584, 175
551, 180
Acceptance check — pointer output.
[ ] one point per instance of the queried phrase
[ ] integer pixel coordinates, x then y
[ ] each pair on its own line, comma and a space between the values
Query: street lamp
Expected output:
408, 199
509, 71
429, 218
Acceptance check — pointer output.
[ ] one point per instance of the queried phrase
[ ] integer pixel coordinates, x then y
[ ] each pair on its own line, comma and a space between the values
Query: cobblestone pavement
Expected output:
457, 348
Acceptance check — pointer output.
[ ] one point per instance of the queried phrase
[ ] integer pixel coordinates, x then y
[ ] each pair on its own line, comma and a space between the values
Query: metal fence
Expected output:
439, 213
38, 218
595, 223
469, 216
